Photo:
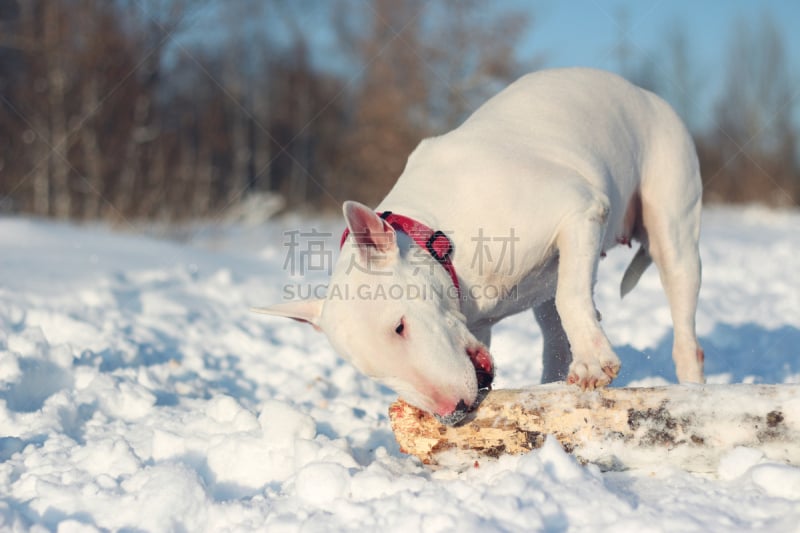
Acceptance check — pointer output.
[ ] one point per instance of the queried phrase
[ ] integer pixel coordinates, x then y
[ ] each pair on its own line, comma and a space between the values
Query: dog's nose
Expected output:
456, 416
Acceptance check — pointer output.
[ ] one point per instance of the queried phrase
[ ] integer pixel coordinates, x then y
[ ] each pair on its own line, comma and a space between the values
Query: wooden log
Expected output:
689, 426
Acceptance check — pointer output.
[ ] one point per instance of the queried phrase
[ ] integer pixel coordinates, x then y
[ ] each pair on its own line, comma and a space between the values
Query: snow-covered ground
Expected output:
138, 393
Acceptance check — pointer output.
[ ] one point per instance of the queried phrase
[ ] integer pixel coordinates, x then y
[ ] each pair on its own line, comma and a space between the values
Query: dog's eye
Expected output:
401, 327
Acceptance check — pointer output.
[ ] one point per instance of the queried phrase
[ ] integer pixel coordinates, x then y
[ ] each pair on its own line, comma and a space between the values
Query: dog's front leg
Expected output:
579, 240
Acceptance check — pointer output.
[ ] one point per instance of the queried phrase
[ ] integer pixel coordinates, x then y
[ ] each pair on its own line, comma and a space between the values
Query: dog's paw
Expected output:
689, 365
593, 373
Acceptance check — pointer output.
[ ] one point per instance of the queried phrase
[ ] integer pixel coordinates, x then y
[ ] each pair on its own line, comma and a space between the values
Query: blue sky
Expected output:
586, 32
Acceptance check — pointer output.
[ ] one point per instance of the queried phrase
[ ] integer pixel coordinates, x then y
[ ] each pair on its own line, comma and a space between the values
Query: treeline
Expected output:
167, 109
747, 139
172, 109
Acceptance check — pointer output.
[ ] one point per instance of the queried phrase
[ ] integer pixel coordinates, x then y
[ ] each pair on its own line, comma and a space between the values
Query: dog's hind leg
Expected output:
556, 355
671, 204
673, 246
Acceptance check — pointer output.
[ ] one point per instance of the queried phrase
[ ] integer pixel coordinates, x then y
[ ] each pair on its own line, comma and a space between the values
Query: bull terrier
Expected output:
566, 163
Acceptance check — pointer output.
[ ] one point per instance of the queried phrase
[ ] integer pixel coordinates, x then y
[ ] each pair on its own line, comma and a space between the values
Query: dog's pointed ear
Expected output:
301, 310
373, 235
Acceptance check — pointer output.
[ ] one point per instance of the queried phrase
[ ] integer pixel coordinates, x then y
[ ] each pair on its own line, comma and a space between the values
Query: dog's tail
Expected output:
638, 265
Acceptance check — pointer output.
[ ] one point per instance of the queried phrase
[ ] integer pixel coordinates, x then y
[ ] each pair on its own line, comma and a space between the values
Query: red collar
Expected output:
435, 242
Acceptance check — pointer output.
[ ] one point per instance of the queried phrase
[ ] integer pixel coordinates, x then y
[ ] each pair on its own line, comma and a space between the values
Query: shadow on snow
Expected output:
737, 353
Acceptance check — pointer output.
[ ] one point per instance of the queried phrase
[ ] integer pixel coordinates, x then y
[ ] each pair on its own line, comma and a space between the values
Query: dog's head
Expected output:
392, 312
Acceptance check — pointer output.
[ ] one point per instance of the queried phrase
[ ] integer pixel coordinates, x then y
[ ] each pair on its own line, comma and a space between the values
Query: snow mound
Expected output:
138, 393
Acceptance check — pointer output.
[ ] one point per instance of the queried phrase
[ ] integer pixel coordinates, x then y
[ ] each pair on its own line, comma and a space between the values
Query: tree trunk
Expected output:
200, 181
36, 135
687, 426
126, 198
41, 170
56, 77
92, 155
152, 205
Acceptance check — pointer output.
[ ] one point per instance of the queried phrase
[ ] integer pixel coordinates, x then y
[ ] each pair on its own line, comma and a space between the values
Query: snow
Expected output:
137, 392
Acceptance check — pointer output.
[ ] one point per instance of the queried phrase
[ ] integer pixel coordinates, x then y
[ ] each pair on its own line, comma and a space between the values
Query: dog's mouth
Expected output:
481, 359
484, 368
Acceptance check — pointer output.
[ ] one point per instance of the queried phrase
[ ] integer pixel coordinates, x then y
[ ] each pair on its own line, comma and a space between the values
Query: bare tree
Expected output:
157, 23
118, 109
389, 107
683, 83
754, 133
469, 56
425, 65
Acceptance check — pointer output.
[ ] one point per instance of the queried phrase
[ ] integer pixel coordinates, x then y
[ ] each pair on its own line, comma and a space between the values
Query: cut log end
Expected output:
616, 428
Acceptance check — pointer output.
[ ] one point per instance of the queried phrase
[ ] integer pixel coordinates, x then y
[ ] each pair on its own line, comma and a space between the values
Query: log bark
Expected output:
688, 426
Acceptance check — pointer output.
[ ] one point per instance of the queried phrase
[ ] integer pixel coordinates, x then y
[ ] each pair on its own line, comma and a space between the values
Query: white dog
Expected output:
547, 175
